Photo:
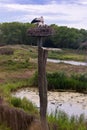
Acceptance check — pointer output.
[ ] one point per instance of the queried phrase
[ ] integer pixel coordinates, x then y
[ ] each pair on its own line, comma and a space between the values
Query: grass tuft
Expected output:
25, 104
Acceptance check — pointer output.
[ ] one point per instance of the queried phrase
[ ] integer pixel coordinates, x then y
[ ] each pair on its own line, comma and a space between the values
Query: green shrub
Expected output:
80, 77
56, 80
59, 80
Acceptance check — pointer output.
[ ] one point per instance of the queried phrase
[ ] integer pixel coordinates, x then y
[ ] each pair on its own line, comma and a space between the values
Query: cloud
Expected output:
70, 13
83, 2
7, 1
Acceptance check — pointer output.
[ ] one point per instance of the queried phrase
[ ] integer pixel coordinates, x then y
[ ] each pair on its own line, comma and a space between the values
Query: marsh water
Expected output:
68, 62
69, 102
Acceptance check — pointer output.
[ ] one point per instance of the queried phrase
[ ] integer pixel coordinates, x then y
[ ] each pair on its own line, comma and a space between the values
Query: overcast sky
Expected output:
71, 13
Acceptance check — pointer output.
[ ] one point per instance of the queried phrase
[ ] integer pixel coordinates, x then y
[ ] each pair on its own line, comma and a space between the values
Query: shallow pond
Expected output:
68, 62
70, 102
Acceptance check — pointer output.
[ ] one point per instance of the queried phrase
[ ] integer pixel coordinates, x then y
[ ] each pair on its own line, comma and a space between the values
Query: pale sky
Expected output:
70, 13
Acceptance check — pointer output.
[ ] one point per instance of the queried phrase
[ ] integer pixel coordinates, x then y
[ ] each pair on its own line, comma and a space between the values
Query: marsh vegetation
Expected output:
18, 67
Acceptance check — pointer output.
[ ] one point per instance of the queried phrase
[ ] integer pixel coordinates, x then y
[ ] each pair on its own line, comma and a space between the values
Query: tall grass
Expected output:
60, 80
61, 121
13, 85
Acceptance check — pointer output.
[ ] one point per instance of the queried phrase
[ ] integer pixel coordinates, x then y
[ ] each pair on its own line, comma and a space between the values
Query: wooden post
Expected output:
42, 83
40, 33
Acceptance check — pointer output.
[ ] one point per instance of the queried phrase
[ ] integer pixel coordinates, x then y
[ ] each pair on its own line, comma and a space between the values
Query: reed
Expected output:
61, 121
61, 81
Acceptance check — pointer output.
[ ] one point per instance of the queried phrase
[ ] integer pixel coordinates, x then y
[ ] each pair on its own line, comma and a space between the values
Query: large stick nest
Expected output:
42, 31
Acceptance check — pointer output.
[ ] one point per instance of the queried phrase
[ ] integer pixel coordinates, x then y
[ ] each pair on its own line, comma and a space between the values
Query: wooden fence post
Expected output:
42, 83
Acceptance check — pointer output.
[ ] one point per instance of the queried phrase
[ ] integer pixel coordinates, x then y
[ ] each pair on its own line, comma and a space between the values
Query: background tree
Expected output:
16, 33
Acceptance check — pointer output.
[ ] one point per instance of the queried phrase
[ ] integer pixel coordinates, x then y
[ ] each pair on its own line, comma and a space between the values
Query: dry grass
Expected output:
15, 75
69, 69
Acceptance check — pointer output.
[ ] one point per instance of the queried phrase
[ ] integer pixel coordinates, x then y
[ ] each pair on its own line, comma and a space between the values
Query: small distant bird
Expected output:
38, 21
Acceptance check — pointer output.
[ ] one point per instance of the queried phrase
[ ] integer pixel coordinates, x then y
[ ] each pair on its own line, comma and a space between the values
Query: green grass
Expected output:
61, 121
24, 104
67, 55
8, 87
4, 127
19, 60
16, 65
25, 52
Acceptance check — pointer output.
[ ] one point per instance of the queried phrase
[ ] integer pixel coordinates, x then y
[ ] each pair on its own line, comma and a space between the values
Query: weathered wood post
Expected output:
40, 33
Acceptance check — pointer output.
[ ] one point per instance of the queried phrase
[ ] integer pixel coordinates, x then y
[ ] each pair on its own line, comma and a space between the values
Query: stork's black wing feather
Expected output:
35, 20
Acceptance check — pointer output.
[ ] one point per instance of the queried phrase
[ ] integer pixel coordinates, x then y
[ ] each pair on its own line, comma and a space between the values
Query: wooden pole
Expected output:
40, 33
42, 83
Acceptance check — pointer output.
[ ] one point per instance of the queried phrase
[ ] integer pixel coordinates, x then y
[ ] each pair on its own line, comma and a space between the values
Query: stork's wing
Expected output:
35, 20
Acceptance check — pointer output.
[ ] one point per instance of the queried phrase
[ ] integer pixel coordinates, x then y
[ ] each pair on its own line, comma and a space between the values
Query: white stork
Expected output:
38, 21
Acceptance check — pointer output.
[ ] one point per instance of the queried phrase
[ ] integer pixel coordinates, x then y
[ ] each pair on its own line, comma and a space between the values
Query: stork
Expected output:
38, 21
